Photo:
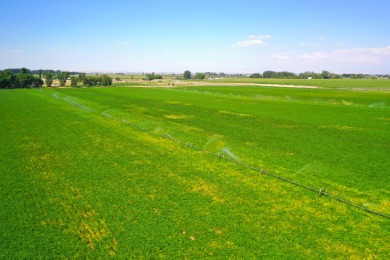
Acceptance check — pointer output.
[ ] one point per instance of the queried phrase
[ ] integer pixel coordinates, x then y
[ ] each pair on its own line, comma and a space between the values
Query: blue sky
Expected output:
243, 36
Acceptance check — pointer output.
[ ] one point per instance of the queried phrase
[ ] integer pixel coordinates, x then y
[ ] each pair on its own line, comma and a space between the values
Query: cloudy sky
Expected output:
244, 36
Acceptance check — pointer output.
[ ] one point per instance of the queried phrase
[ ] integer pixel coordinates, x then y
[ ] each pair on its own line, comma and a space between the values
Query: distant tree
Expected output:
187, 74
211, 74
81, 76
90, 81
279, 75
101, 80
325, 74
37, 82
199, 75
62, 77
286, 75
269, 74
152, 76
309, 74
24, 79
255, 75
7, 79
23, 71
73, 81
49, 79
105, 80
351, 76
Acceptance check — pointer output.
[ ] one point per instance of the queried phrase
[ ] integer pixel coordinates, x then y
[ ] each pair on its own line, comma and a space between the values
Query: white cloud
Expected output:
248, 43
315, 43
283, 58
306, 44
255, 37
253, 40
368, 51
14, 51
129, 42
352, 56
363, 55
320, 55
58, 47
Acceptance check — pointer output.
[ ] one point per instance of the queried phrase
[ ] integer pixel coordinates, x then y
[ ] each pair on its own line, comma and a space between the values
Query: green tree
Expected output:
90, 81
309, 74
152, 76
255, 75
199, 75
49, 79
269, 74
62, 77
37, 82
7, 79
81, 77
102, 80
105, 80
23, 71
187, 74
74, 81
24, 79
325, 74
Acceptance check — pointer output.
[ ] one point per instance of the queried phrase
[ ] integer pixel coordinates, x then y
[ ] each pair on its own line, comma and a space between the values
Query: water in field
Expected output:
215, 143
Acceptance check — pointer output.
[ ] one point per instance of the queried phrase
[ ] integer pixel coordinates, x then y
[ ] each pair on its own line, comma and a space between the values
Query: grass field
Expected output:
81, 179
351, 84
334, 83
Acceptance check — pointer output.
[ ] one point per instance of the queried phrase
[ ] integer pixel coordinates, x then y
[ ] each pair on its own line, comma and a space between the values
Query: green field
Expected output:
87, 173
334, 83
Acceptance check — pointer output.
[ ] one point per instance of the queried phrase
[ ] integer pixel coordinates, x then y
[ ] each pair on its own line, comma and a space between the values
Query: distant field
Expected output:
328, 83
360, 84
86, 174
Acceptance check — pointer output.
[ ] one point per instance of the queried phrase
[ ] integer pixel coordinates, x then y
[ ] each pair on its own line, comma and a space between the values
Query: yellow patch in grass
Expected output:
339, 248
342, 127
235, 114
188, 128
178, 103
346, 102
178, 116
208, 190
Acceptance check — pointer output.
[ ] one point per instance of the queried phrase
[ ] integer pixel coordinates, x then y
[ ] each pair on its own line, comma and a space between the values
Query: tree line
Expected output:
152, 76
40, 72
290, 75
24, 78
311, 75
88, 81
9, 80
282, 75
